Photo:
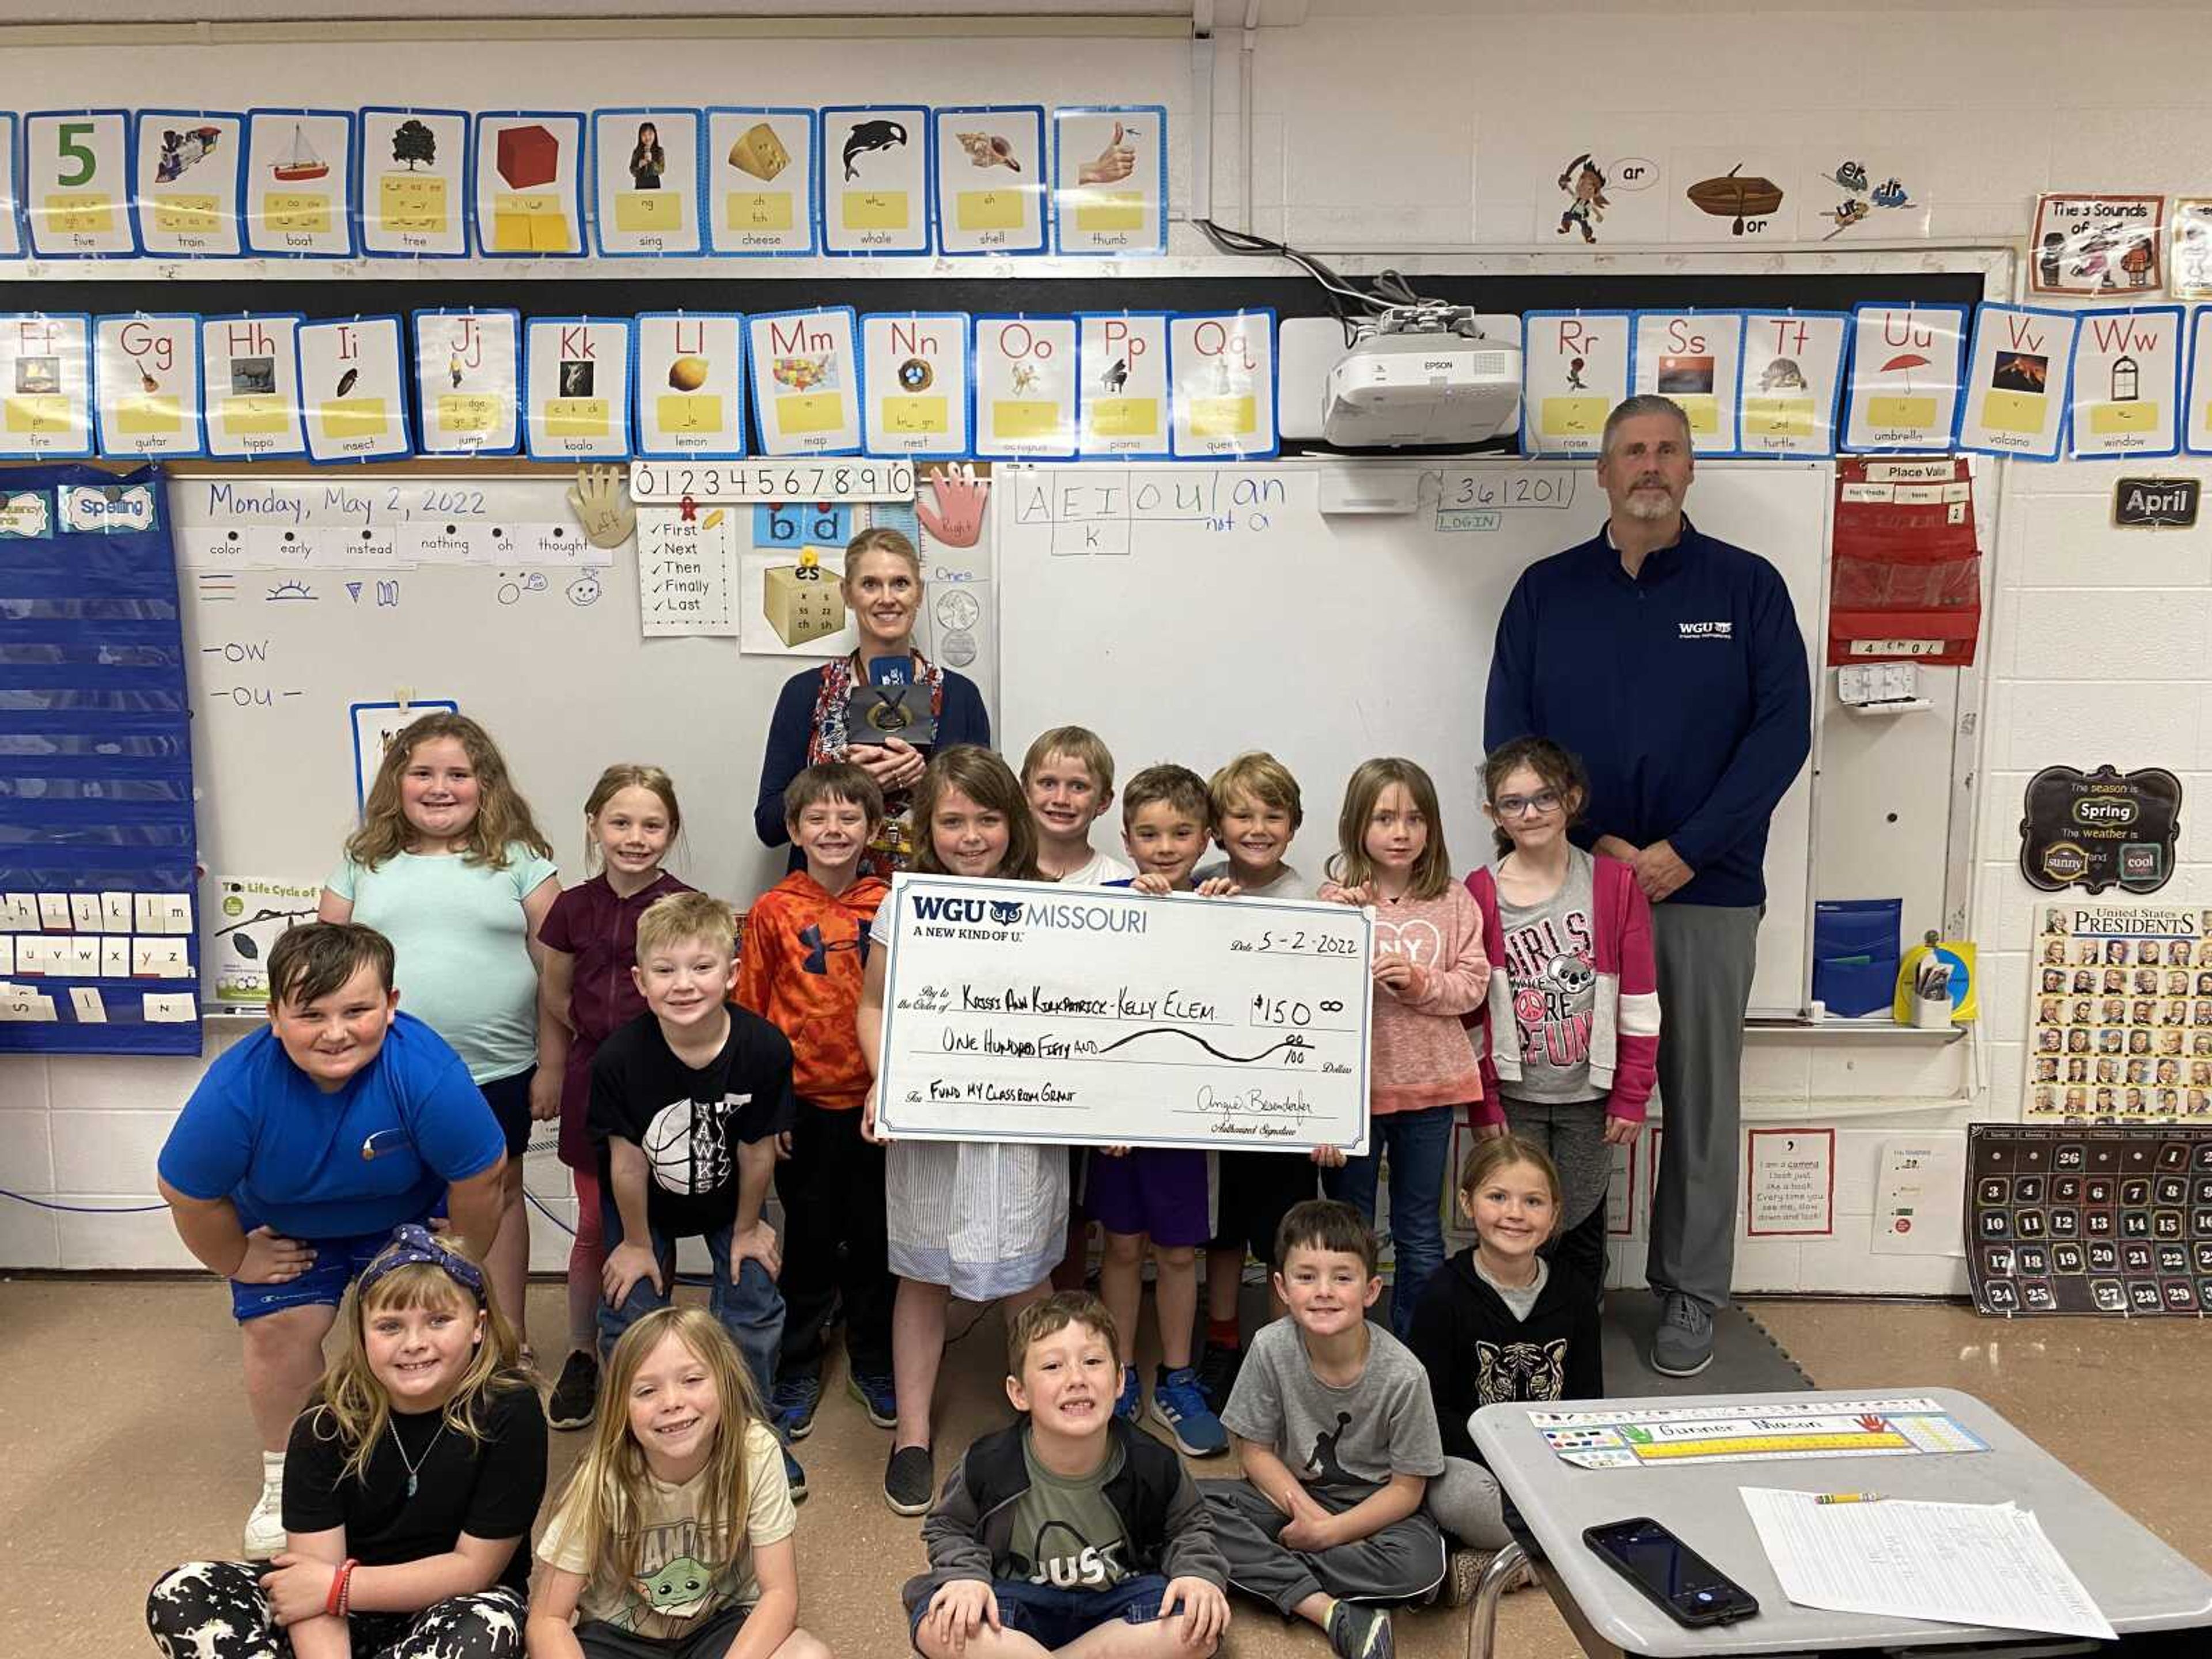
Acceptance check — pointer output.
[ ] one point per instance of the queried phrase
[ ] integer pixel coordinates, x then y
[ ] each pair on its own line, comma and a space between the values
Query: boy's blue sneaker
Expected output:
795, 1476
1179, 1407
1131, 1405
794, 1402
878, 1397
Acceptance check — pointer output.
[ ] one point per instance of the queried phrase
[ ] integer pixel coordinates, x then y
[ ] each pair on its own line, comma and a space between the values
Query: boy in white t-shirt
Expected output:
1068, 776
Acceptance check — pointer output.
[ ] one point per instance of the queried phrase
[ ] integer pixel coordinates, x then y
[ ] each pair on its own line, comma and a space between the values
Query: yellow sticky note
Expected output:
359, 417
988, 209
2014, 411
915, 414
1777, 417
149, 415
701, 412
576, 417
412, 201
810, 412
2123, 418
1125, 417
81, 213
1111, 209
1576, 418
757, 210
648, 209
1024, 417
1224, 417
464, 414
1703, 408
523, 224
1901, 411
39, 415
188, 215
259, 412
875, 209
306, 211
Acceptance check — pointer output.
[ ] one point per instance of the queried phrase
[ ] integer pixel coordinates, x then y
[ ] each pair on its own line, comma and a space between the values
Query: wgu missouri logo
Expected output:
1710, 630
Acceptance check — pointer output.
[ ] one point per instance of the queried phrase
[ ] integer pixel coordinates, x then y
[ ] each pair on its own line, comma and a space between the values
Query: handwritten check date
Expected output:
1015, 1011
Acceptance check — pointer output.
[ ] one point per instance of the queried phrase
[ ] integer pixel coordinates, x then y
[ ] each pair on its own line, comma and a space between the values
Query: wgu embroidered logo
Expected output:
1711, 630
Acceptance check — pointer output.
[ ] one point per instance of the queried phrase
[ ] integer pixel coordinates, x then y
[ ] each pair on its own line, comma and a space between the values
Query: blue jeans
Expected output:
1418, 1145
1054, 1618
750, 1306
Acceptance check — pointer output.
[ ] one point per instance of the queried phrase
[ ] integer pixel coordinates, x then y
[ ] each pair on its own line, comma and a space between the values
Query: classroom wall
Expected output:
1350, 154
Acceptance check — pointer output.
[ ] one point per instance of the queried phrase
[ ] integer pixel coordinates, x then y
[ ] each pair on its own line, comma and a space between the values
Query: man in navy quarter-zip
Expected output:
1672, 664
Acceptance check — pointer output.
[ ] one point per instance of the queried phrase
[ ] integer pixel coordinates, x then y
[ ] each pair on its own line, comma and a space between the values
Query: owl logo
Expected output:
1005, 912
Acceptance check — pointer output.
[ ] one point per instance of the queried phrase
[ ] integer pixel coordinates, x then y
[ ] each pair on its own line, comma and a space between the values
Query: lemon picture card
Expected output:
45, 386
468, 381
191, 173
1574, 370
760, 171
646, 182
1791, 380
1109, 180
991, 179
575, 388
353, 389
1024, 372
529, 184
1223, 372
875, 180
146, 385
299, 168
914, 365
804, 367
11, 189
250, 386
691, 384
411, 187
2017, 378
76, 184
1692, 357
1122, 399
1903, 389
2125, 384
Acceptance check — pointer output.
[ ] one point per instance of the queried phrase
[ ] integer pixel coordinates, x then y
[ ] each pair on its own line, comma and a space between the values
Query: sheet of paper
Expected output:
1920, 1199
169, 1007
1961, 1563
22, 1002
1792, 1183
90, 1009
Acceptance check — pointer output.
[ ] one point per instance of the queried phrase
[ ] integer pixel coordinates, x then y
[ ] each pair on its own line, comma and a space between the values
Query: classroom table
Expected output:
2142, 1586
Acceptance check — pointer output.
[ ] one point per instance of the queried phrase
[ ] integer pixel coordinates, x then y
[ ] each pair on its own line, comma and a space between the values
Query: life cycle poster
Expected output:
529, 183
1792, 379
353, 388
916, 373
11, 194
1692, 357
991, 179
1121, 408
1223, 372
691, 384
2126, 383
2101, 246
1109, 180
646, 169
1903, 387
2120, 1016
875, 180
575, 388
806, 371
468, 381
250, 387
760, 180
1025, 394
2016, 381
76, 183
414, 174
1574, 370
298, 166
46, 386
146, 375
190, 172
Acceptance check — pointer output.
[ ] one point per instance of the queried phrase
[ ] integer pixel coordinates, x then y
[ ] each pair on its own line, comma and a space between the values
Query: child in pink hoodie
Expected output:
1429, 969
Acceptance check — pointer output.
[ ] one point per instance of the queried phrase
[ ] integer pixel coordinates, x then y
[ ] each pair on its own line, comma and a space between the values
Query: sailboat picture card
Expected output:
298, 162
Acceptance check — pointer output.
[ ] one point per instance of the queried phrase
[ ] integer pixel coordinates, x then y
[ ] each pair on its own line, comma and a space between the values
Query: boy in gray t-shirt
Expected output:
1338, 1434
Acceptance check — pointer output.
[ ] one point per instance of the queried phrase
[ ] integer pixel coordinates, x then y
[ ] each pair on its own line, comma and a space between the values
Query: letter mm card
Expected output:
76, 184
353, 389
1902, 393
1574, 370
299, 169
990, 179
2017, 376
807, 381
191, 173
1109, 180
916, 370
575, 388
468, 381
411, 172
1122, 398
1692, 357
1222, 369
647, 182
2126, 385
146, 385
1026, 372
45, 386
529, 184
760, 167
875, 178
691, 384
250, 387
1791, 382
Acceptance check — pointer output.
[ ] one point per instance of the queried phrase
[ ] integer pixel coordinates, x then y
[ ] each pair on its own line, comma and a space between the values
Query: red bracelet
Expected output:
334, 1604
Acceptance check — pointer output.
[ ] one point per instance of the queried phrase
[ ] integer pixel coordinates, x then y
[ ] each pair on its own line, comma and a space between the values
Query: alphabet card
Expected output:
250, 386
1736, 196
2016, 381
76, 183
413, 172
875, 180
805, 368
11, 194
354, 389
1109, 180
575, 388
1223, 372
991, 179
468, 378
191, 172
1121, 403
691, 384
298, 162
1693, 357
45, 386
1791, 381
1904, 382
146, 381
2197, 430
529, 185
916, 367
2126, 384
1575, 370
1025, 394
2098, 245
760, 170
646, 169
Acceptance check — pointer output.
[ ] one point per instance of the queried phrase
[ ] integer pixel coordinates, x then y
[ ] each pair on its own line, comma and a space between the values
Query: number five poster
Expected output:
76, 183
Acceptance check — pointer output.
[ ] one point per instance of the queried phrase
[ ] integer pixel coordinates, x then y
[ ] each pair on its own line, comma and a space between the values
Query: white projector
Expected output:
1427, 386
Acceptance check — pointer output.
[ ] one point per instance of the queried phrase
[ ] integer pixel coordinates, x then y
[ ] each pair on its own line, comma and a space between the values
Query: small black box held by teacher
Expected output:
876, 714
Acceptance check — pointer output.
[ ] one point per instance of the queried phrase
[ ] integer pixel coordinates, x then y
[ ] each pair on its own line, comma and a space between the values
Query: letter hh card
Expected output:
645, 172
760, 172
1692, 357
1109, 180
2127, 384
190, 175
147, 382
2016, 381
76, 183
414, 171
298, 163
917, 375
45, 386
875, 180
1791, 378
1026, 374
1223, 369
691, 385
807, 381
991, 179
468, 381
1575, 370
529, 186
353, 388
1122, 404
250, 386
1904, 382
575, 388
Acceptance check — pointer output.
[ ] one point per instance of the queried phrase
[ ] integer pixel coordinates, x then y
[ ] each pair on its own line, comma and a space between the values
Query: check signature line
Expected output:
1290, 1041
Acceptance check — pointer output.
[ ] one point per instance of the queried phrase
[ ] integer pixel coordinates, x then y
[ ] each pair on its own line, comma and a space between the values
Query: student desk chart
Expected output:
1017, 1011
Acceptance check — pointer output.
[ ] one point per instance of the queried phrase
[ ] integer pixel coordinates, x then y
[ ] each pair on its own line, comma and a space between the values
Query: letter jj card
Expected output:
468, 380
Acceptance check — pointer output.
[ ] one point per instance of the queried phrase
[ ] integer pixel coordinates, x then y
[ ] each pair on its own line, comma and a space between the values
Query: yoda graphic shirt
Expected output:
1548, 953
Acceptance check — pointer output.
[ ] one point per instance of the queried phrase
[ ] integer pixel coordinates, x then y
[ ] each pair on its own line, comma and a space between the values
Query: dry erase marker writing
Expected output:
1849, 1498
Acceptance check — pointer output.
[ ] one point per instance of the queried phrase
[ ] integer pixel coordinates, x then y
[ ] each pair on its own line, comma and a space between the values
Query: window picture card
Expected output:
575, 388
991, 179
875, 180
2017, 381
11, 186
529, 184
760, 169
2098, 245
1791, 381
299, 165
146, 384
1223, 372
647, 181
468, 381
1692, 356
2125, 384
806, 384
250, 387
1109, 180
412, 168
1574, 370
915, 368
1902, 393
45, 386
76, 184
691, 384
353, 386
1122, 402
1024, 373
191, 169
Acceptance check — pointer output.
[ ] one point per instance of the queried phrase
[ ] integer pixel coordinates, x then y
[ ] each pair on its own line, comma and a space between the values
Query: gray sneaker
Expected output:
1684, 1345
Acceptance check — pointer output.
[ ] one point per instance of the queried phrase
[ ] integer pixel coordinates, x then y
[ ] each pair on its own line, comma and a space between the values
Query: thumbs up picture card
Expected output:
1121, 406
991, 179
1110, 183
760, 169
76, 184
413, 172
468, 379
146, 380
298, 166
575, 388
250, 387
354, 388
916, 372
529, 184
647, 181
875, 180
45, 386
691, 384
191, 179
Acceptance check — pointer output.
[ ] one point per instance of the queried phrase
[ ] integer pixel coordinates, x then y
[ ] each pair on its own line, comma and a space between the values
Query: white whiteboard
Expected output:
1188, 613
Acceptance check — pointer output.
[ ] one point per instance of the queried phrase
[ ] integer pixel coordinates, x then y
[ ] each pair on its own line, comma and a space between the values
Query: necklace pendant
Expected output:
411, 1485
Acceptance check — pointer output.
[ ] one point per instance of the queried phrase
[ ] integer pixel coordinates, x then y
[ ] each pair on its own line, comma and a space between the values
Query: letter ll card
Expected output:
691, 384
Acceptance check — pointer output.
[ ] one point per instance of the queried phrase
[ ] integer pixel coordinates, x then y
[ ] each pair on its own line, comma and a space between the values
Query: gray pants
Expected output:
1402, 1562
1465, 1501
1707, 954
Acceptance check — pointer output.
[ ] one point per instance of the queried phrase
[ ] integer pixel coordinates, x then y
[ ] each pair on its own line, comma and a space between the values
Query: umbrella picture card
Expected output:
1903, 392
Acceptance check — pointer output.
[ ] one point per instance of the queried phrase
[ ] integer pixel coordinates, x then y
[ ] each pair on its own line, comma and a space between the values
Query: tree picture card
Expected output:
191, 173
468, 381
647, 181
991, 179
45, 386
1222, 369
760, 176
691, 384
250, 387
529, 184
353, 386
1024, 376
11, 186
2017, 378
807, 381
875, 180
299, 168
1574, 370
2125, 384
1109, 180
412, 170
915, 366
146, 384
1123, 400
76, 184
1903, 387
1692, 357
575, 388
1791, 381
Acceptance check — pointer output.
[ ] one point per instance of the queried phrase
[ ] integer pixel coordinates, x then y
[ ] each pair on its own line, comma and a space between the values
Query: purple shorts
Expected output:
1167, 1192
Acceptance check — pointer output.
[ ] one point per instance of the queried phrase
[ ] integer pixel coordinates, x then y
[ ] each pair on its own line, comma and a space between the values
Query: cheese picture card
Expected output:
299, 167
250, 386
875, 180
146, 385
412, 170
1223, 372
45, 386
2197, 432
11, 192
76, 184
468, 381
2126, 384
645, 168
1025, 374
1122, 401
805, 373
991, 179
760, 169
915, 366
191, 169
1109, 180
1692, 356
1574, 370
2017, 382
353, 386
1791, 381
1903, 385
575, 388
691, 384
529, 184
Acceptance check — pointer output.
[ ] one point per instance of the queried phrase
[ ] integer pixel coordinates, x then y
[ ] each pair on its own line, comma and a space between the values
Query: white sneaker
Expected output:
264, 1527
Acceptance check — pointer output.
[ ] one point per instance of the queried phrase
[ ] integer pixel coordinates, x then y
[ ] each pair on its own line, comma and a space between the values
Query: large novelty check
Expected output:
1018, 1012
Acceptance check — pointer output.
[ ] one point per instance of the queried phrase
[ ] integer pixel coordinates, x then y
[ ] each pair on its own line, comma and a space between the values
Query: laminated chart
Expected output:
1635, 1437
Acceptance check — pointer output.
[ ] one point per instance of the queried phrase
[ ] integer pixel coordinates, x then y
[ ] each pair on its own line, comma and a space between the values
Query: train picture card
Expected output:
413, 170
299, 168
468, 381
250, 387
991, 179
691, 384
146, 381
646, 184
353, 389
76, 184
191, 173
875, 180
529, 184
760, 171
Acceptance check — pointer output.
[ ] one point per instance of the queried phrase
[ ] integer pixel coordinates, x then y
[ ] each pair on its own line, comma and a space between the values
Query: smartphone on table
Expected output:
1690, 1589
